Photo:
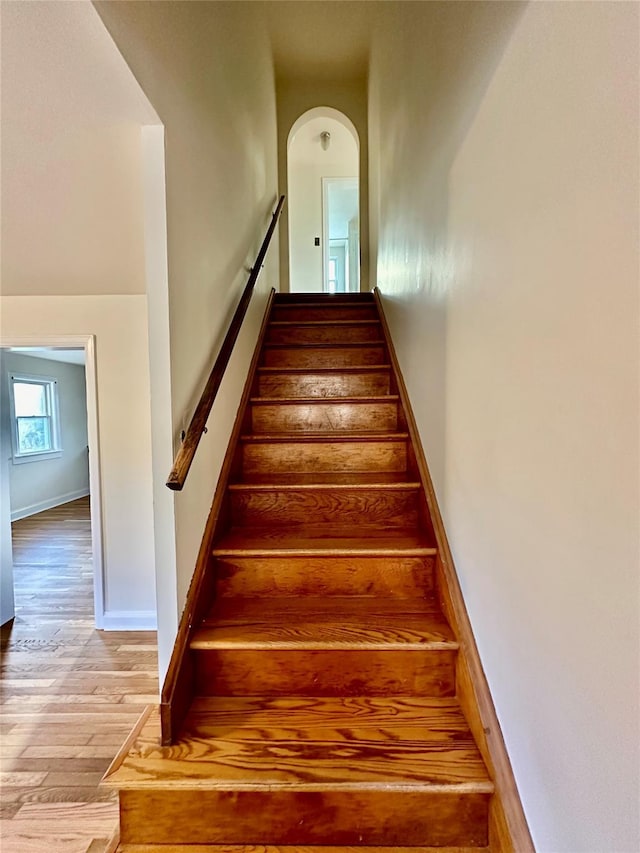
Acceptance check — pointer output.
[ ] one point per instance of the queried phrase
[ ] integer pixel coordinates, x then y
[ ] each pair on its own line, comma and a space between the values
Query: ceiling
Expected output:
316, 38
75, 355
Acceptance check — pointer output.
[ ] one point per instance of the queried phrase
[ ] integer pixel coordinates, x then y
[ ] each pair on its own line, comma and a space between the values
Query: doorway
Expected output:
49, 439
324, 203
340, 235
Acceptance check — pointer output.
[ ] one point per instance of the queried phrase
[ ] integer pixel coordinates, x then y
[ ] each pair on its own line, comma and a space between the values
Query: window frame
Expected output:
50, 385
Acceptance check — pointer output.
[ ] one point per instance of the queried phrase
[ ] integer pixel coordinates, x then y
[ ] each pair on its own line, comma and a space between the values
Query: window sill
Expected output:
19, 459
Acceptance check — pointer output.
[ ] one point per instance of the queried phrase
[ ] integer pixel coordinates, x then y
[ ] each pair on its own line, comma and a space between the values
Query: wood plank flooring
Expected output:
70, 694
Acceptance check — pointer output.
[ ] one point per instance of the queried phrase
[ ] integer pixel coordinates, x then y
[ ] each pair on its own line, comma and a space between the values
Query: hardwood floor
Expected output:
70, 694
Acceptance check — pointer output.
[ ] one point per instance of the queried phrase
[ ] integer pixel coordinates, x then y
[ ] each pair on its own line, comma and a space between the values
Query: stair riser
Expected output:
323, 456
278, 508
370, 384
334, 356
389, 818
322, 334
324, 416
305, 313
327, 672
389, 577
303, 298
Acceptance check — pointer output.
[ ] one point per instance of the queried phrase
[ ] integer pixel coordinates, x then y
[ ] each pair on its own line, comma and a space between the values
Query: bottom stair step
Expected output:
315, 771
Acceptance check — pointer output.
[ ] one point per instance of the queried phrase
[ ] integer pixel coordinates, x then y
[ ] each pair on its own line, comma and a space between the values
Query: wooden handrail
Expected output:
197, 426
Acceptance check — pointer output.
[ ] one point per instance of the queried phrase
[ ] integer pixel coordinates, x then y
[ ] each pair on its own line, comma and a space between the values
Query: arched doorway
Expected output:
324, 215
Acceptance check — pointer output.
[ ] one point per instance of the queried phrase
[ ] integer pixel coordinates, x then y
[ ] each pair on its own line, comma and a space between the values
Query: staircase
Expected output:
324, 709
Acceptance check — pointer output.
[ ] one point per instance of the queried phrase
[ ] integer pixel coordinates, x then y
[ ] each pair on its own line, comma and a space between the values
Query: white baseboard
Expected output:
50, 503
129, 620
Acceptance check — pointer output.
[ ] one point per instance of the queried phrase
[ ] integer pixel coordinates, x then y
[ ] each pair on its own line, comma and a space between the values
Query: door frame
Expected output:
326, 182
88, 343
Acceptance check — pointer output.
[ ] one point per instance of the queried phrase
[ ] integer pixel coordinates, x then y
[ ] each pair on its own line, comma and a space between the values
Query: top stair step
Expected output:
324, 311
323, 298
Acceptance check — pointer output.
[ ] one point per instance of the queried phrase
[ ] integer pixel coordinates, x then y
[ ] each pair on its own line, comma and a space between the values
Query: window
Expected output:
36, 429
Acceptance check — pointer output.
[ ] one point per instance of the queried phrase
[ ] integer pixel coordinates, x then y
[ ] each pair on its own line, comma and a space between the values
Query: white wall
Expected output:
308, 164
207, 69
508, 254
72, 229
47, 482
70, 132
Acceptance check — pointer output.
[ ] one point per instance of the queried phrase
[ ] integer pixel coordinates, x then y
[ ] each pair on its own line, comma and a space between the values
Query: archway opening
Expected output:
324, 209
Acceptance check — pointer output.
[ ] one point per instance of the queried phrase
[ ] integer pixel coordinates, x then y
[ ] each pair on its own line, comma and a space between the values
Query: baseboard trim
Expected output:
129, 620
50, 503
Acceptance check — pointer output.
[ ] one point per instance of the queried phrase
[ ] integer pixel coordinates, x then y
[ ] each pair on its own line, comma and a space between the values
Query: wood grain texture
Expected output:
324, 355
388, 577
364, 381
307, 744
63, 686
262, 454
329, 672
316, 623
391, 505
335, 331
320, 311
388, 818
324, 541
371, 414
473, 690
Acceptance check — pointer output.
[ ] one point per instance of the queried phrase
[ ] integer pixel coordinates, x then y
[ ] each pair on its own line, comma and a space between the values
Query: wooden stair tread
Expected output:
320, 540
353, 479
307, 744
324, 345
336, 401
324, 623
298, 323
323, 371
295, 483
309, 436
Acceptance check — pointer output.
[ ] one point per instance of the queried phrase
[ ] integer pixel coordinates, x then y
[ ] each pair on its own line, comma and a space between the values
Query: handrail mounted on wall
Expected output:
197, 426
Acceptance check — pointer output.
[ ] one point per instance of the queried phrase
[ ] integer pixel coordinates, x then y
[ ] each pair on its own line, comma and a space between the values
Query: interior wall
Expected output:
47, 482
295, 96
119, 324
308, 164
68, 135
508, 258
72, 230
218, 111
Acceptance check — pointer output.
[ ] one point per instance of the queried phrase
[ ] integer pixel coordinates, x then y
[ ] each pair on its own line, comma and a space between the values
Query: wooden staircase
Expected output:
320, 700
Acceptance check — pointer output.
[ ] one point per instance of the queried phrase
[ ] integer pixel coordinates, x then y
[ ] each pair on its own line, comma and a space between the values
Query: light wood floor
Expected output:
70, 694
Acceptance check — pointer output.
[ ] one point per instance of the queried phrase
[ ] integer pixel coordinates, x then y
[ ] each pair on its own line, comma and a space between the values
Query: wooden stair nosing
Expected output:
324, 371
312, 323
320, 436
315, 541
248, 486
337, 401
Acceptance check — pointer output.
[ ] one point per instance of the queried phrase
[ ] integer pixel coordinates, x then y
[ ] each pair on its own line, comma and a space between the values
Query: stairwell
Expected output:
326, 680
